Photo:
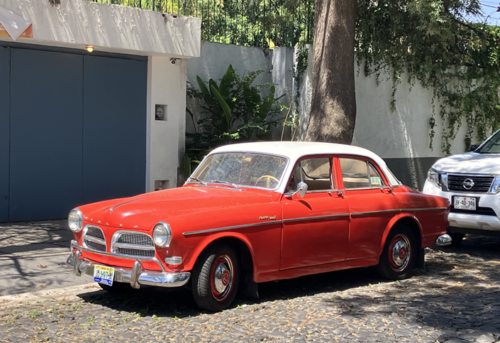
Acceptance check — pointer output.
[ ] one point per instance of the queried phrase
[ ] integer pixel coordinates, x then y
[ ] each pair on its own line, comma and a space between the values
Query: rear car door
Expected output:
371, 205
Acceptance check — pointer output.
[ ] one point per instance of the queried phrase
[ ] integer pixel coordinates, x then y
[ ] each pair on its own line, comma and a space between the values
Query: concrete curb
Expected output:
67, 293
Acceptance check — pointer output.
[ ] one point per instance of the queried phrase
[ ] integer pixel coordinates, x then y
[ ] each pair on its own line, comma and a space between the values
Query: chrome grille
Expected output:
482, 184
93, 238
133, 244
135, 252
136, 239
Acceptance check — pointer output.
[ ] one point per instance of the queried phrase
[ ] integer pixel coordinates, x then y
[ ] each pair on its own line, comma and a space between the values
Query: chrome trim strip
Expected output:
315, 218
400, 210
471, 175
74, 245
95, 240
425, 209
132, 246
123, 203
230, 228
308, 218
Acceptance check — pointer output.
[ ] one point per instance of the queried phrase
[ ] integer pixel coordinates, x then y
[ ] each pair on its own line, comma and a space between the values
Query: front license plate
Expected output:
104, 275
464, 203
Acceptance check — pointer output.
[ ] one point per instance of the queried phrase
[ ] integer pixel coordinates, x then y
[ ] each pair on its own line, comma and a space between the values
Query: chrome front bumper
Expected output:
136, 276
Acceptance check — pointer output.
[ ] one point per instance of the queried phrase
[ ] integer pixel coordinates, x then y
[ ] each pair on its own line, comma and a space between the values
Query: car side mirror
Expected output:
301, 189
473, 147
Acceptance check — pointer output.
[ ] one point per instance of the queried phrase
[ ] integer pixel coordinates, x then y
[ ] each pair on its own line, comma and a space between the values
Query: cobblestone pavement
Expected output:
456, 299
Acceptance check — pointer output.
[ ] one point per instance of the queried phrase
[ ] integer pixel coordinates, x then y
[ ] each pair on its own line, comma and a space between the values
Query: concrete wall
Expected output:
112, 28
400, 137
166, 87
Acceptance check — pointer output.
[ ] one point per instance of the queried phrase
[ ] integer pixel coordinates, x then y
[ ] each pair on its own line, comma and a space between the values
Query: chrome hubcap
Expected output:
222, 277
400, 252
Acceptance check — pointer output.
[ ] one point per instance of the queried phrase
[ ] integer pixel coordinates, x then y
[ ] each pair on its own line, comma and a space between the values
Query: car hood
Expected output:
470, 163
142, 212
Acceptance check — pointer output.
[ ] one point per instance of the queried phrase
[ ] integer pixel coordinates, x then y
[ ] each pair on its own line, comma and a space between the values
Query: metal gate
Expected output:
76, 128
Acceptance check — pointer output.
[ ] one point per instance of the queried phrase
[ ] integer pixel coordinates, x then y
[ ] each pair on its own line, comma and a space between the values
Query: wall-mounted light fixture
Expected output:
89, 48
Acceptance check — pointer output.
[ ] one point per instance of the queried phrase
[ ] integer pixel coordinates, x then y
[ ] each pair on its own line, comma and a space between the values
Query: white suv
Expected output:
471, 182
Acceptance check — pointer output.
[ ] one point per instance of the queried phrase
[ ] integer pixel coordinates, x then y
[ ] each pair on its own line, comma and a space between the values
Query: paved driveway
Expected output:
33, 256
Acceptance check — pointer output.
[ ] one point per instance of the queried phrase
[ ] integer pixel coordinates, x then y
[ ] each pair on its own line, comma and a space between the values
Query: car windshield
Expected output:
242, 169
491, 146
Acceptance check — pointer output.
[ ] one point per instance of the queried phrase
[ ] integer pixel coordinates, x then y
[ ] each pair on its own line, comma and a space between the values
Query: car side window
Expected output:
315, 172
359, 174
376, 180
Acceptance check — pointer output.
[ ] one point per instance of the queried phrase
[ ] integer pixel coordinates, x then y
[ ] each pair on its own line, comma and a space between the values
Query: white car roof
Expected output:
295, 150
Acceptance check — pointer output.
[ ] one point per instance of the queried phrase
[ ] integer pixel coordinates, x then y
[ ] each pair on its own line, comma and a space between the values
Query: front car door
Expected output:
315, 227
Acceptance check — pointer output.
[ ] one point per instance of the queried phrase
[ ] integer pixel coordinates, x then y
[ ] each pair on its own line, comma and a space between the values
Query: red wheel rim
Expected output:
399, 252
222, 277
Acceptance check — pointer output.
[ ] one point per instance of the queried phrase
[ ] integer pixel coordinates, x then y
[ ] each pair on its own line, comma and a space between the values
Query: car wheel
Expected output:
399, 255
118, 287
456, 239
216, 278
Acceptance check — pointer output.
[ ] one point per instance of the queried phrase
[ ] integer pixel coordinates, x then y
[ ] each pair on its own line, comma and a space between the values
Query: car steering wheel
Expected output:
269, 178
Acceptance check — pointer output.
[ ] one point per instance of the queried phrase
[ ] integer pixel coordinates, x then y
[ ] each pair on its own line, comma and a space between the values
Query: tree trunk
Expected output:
333, 103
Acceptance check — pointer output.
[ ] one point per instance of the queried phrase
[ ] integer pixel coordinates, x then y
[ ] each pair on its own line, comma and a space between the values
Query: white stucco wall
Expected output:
166, 86
111, 28
403, 133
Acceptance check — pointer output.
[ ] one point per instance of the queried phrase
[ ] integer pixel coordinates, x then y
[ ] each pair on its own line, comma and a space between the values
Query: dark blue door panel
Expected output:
4, 132
114, 131
46, 134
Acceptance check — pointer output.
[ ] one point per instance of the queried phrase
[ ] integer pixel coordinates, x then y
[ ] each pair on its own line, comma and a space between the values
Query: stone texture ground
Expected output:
33, 256
456, 299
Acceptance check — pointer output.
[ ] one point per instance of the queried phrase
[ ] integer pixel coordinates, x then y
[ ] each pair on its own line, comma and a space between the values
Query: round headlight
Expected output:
162, 235
75, 220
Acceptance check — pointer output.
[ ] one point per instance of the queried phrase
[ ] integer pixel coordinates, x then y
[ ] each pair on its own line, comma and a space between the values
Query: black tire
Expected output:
118, 287
399, 255
215, 278
456, 239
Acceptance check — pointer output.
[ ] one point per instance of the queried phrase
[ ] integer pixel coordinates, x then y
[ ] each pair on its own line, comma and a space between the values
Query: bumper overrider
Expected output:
136, 277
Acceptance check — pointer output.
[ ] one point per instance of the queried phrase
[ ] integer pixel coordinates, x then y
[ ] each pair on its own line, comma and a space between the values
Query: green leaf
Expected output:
224, 105
202, 85
268, 102
227, 81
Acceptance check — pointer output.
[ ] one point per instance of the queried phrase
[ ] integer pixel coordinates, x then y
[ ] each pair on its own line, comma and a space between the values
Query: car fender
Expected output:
393, 221
202, 245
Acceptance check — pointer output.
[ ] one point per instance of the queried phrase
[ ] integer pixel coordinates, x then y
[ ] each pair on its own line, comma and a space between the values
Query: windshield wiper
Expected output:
197, 180
224, 183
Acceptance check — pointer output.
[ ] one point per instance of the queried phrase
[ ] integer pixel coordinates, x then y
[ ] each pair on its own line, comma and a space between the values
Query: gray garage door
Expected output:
72, 131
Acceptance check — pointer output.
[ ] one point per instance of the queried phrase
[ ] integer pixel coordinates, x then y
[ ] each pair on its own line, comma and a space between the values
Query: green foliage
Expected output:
232, 111
263, 23
434, 42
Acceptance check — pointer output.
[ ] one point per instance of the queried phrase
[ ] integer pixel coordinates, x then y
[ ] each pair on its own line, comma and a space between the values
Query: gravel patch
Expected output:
455, 299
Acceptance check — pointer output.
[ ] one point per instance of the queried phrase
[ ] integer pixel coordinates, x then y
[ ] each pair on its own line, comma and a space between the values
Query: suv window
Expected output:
492, 145
359, 174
